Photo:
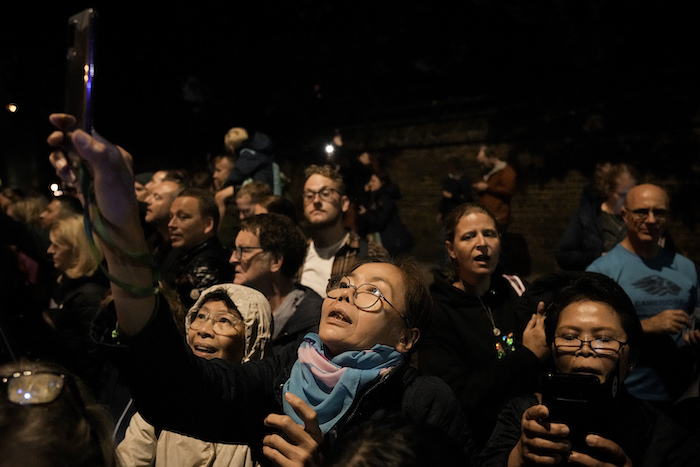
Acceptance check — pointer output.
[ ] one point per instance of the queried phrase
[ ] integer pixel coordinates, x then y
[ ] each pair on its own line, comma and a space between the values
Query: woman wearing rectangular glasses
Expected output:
593, 332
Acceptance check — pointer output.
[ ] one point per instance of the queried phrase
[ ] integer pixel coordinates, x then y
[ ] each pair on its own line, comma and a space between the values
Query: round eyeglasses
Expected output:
603, 346
325, 193
364, 296
223, 323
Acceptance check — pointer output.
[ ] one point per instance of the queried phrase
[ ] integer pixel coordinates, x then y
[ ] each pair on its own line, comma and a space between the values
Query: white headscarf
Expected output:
256, 313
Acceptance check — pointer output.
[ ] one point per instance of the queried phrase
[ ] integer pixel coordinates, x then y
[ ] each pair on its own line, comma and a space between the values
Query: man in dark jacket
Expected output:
370, 322
198, 259
268, 252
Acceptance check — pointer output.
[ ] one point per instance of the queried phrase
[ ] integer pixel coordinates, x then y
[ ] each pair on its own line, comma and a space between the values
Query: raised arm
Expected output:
110, 166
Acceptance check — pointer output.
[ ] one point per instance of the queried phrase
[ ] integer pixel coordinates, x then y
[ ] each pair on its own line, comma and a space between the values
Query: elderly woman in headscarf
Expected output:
230, 322
289, 406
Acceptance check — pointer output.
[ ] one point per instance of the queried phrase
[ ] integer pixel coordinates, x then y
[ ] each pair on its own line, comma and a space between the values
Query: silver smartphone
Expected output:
80, 67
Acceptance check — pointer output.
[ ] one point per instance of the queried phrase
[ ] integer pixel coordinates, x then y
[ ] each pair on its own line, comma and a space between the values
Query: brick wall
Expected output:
416, 155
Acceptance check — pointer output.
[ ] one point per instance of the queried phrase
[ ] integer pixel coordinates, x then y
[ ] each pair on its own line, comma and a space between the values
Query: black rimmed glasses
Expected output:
602, 346
643, 213
239, 250
364, 296
30, 387
222, 323
325, 194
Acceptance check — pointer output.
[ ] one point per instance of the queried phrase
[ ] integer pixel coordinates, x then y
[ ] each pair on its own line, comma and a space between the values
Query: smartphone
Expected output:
80, 67
579, 401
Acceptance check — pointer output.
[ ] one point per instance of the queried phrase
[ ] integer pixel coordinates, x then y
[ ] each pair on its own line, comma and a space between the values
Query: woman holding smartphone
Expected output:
288, 406
593, 330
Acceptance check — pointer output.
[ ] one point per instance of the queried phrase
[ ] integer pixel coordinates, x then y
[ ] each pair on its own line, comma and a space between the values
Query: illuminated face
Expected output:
187, 227
588, 320
252, 266
206, 343
476, 246
158, 202
345, 327
51, 214
323, 212
156, 179
222, 168
646, 213
246, 207
61, 253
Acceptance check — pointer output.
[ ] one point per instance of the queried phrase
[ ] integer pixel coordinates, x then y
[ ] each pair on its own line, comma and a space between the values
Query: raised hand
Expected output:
296, 445
110, 167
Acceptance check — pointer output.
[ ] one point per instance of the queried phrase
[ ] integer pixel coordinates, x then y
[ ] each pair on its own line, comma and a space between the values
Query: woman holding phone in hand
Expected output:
287, 406
592, 329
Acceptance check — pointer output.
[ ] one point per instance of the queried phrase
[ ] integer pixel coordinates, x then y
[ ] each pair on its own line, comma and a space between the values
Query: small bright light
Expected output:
54, 187
330, 148
12, 108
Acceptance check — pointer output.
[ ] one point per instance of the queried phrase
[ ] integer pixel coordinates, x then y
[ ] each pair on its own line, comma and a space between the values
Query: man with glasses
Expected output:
268, 251
332, 248
663, 286
363, 353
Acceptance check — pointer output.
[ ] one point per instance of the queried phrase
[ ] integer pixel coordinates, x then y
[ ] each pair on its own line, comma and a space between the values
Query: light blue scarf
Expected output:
330, 386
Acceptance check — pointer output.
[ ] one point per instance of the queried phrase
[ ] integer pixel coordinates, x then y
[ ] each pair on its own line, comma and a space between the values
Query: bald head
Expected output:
646, 213
646, 193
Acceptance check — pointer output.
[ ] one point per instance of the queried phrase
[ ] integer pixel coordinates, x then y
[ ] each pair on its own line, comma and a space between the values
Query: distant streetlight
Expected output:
12, 108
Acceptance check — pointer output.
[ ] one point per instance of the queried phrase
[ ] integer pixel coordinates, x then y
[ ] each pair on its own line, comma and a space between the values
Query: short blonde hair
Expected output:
328, 172
234, 138
70, 232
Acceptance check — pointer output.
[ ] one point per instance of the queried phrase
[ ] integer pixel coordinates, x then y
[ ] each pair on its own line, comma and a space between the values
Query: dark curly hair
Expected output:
280, 236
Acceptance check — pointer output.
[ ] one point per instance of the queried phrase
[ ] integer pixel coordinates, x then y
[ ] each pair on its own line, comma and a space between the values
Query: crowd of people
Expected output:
174, 319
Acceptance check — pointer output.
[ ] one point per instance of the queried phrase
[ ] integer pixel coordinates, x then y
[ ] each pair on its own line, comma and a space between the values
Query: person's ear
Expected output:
276, 263
344, 203
209, 225
625, 214
408, 340
450, 250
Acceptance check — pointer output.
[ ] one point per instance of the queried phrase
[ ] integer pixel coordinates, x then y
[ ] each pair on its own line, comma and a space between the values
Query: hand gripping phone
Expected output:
580, 401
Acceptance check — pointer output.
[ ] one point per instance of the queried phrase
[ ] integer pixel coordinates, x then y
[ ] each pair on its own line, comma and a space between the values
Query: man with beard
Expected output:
332, 248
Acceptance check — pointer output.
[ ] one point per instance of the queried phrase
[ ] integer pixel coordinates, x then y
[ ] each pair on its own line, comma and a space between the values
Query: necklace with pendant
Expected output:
487, 309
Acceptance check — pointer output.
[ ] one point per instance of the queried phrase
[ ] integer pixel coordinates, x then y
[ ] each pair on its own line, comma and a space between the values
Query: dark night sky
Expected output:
299, 69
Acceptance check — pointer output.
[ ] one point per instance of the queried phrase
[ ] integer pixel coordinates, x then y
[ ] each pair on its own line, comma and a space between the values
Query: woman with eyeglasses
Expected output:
486, 347
229, 322
583, 415
49, 418
289, 406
